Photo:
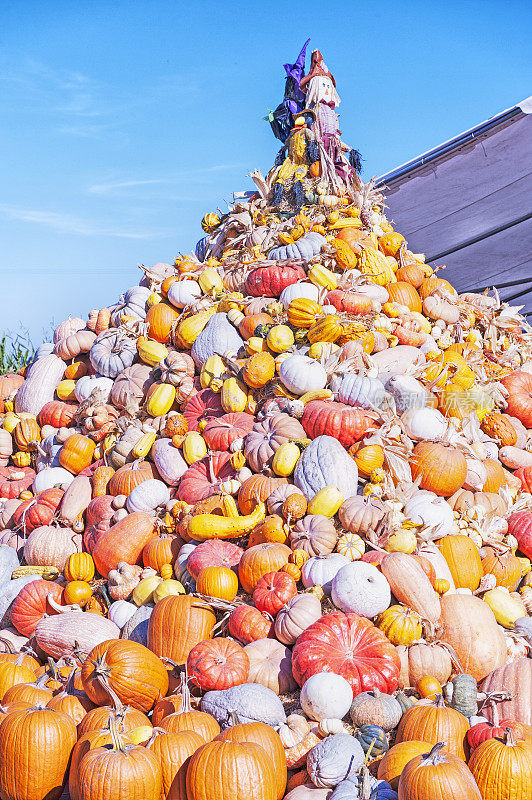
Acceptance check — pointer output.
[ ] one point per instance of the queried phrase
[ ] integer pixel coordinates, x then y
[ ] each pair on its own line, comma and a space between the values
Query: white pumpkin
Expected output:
120, 612
361, 588
320, 570
429, 345
397, 360
89, 383
183, 293
326, 695
334, 759
407, 392
148, 496
424, 424
433, 512
296, 290
302, 374
51, 476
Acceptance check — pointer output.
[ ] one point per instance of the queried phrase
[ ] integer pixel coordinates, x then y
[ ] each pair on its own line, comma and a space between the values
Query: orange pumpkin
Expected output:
77, 453
496, 476
160, 320
236, 771
463, 559
395, 760
412, 274
438, 776
405, 294
123, 769
219, 582
126, 669
26, 771
160, 550
442, 468
433, 722
255, 489
130, 475
502, 768
259, 560
173, 751
265, 736
177, 624
250, 323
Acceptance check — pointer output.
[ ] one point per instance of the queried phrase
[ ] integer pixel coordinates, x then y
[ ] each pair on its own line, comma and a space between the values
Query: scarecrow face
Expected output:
321, 88
325, 88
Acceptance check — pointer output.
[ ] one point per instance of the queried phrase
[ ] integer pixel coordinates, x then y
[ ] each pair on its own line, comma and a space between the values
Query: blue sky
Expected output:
123, 122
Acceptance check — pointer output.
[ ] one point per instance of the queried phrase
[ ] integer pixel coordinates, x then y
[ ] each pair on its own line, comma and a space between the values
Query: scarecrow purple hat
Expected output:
317, 68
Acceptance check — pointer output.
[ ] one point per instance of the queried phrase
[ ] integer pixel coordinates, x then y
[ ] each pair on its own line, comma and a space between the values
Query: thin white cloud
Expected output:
71, 99
117, 186
69, 223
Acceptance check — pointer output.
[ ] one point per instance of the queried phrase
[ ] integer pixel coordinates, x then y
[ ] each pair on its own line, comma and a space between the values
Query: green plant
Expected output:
16, 350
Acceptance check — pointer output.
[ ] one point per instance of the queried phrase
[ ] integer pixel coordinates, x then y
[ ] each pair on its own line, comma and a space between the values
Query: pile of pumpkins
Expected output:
266, 528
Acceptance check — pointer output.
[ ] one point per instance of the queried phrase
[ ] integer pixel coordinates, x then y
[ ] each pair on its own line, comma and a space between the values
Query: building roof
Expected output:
468, 204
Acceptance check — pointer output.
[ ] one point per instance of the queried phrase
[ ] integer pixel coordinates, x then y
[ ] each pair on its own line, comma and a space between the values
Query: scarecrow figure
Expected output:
301, 150
282, 119
338, 160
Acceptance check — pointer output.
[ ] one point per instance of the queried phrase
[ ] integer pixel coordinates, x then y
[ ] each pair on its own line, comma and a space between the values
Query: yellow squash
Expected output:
160, 400
213, 526
327, 502
285, 459
190, 328
150, 351
194, 447
212, 373
234, 395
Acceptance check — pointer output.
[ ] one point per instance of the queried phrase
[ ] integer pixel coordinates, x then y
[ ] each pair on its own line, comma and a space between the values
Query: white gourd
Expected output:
326, 695
362, 589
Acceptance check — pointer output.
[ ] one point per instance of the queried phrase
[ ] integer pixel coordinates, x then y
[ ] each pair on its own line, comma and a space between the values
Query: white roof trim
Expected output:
524, 107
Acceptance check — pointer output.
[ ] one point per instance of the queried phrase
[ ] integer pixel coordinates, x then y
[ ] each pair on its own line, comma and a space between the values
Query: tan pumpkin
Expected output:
468, 625
515, 678
270, 664
421, 660
315, 534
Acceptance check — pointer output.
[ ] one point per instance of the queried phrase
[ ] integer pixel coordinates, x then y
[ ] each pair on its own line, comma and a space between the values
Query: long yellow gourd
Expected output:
213, 526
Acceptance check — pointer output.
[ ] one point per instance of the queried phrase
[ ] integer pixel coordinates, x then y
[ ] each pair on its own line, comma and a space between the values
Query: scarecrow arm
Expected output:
313, 152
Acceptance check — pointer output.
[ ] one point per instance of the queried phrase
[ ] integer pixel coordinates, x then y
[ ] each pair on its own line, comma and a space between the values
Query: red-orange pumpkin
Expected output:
347, 424
274, 590
218, 664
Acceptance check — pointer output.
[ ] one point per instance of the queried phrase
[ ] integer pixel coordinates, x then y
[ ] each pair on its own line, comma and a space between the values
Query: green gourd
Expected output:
464, 694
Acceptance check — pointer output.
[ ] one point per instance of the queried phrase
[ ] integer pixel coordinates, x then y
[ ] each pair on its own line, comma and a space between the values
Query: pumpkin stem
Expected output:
509, 737
116, 737
184, 691
78, 653
102, 679
156, 732
435, 756
8, 645
61, 609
